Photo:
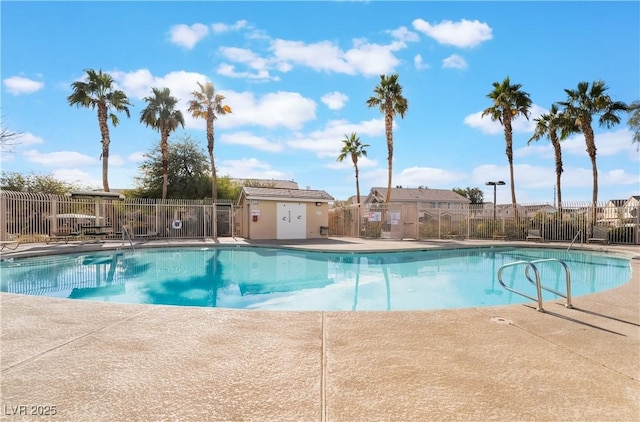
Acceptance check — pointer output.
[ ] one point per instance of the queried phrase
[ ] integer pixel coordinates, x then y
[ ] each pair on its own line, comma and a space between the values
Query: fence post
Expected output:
3, 217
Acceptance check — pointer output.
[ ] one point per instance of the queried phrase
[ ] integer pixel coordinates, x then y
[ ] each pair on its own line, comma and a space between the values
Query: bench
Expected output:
600, 235
63, 237
499, 236
97, 233
454, 236
534, 234
8, 243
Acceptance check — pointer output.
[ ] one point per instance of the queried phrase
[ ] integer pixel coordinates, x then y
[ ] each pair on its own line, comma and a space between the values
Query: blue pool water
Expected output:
285, 279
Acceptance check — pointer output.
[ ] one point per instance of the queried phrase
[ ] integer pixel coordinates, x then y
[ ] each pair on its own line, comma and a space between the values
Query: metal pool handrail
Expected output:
536, 282
574, 239
567, 273
125, 233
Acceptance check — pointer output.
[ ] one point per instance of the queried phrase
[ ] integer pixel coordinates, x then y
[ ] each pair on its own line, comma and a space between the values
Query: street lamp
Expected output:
494, 184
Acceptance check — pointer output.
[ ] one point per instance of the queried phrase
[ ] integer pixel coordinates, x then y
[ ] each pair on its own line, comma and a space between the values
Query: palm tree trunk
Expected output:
591, 150
355, 163
508, 135
214, 177
558, 156
164, 149
104, 132
388, 125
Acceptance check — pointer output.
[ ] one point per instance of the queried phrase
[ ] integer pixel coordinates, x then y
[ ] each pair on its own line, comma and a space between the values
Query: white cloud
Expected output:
250, 140
324, 56
26, 139
248, 58
369, 59
17, 85
607, 144
244, 56
403, 34
60, 158
229, 70
433, 178
116, 160
136, 84
81, 177
223, 27
288, 109
462, 34
328, 141
188, 36
250, 168
492, 127
334, 100
419, 63
363, 162
137, 157
484, 124
454, 62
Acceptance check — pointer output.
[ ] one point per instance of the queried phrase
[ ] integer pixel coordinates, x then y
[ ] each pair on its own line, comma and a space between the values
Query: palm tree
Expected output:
208, 105
553, 126
581, 106
161, 115
388, 98
354, 149
634, 121
508, 102
97, 91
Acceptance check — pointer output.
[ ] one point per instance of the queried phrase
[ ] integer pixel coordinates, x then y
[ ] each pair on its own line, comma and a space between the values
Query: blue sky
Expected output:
297, 76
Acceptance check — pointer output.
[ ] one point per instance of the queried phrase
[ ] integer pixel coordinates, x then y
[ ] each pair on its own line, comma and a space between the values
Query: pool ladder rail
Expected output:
126, 233
536, 282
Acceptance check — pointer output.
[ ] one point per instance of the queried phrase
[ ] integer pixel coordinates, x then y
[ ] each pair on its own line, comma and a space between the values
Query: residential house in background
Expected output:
412, 207
612, 210
427, 198
631, 208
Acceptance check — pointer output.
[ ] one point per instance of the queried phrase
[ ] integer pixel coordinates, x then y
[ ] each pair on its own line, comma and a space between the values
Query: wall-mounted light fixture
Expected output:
318, 204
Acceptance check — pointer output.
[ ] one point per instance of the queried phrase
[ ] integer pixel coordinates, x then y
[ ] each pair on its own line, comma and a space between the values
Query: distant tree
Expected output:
36, 183
475, 195
8, 137
388, 98
161, 115
554, 126
187, 171
97, 91
354, 149
634, 121
581, 106
255, 183
227, 189
509, 101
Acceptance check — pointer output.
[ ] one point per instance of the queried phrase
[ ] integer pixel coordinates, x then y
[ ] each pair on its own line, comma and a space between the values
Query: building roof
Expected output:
416, 195
618, 202
280, 194
266, 183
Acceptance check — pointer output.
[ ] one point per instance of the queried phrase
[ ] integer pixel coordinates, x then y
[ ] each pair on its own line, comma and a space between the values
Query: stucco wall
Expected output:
266, 226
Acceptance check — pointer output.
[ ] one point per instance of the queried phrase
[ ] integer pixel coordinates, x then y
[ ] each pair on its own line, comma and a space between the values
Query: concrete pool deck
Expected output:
97, 361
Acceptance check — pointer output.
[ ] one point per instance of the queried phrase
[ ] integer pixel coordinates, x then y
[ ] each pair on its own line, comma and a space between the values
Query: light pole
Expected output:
494, 184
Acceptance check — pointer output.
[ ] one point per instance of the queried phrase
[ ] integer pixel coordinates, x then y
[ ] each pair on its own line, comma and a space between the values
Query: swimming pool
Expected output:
288, 279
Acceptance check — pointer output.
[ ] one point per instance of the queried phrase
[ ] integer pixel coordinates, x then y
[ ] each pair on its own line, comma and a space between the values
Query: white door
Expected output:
292, 220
